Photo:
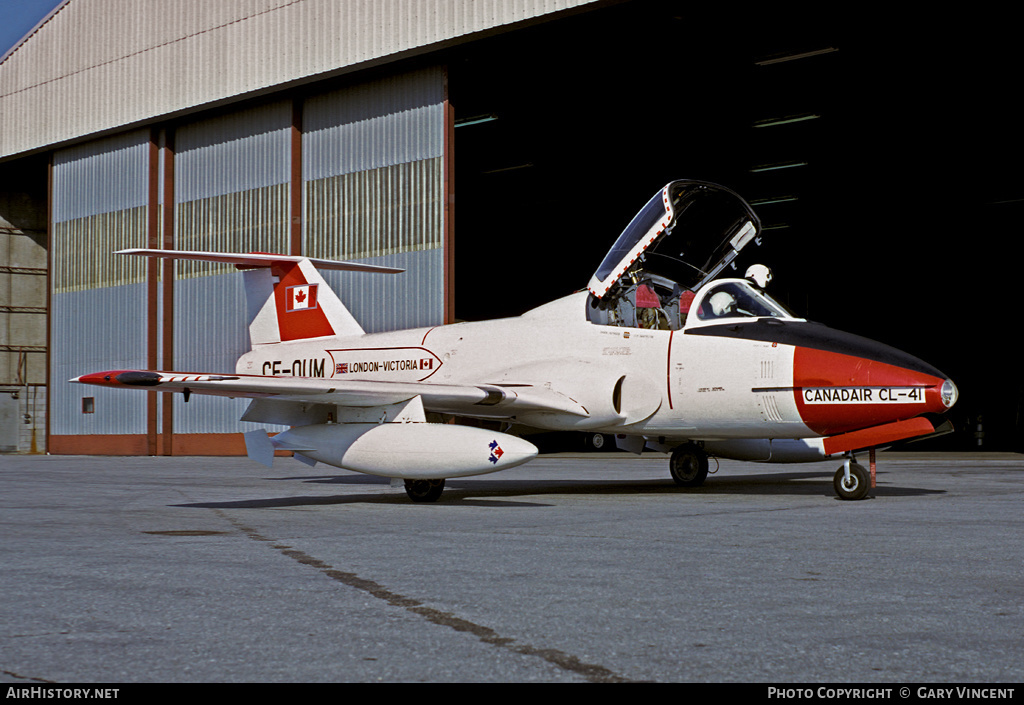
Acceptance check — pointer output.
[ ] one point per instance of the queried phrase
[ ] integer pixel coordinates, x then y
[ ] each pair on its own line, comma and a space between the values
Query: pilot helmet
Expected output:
722, 303
759, 274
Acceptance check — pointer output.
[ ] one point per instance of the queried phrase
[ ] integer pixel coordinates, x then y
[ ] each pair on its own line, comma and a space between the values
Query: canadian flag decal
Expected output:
301, 298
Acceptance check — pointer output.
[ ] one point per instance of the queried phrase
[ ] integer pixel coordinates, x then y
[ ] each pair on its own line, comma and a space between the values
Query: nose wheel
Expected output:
851, 481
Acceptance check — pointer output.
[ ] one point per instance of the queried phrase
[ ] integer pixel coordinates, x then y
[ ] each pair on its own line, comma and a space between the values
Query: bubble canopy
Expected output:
687, 232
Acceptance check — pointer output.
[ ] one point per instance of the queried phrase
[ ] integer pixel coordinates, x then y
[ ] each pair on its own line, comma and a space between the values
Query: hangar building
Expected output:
345, 130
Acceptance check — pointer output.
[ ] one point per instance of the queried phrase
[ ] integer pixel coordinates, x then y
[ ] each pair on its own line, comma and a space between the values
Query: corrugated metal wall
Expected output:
373, 187
98, 65
98, 310
231, 176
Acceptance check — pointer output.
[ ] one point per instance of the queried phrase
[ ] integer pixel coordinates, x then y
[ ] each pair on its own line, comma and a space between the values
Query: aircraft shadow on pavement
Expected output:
497, 492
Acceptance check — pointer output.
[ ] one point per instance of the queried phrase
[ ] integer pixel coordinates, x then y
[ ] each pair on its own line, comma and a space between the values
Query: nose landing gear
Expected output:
852, 481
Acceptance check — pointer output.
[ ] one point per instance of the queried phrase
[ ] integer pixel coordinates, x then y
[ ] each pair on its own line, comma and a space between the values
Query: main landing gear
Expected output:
424, 490
689, 465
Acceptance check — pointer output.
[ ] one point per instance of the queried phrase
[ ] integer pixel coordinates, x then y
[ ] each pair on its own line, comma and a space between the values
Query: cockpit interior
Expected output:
659, 273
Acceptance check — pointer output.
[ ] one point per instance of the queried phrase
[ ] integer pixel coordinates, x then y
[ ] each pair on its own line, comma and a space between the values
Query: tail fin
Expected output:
286, 297
291, 301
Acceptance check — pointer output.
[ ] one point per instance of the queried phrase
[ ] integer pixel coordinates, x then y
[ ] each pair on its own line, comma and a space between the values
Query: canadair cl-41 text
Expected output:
658, 350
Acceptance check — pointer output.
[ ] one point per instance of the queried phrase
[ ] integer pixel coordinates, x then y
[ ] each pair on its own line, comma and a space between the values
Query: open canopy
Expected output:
687, 233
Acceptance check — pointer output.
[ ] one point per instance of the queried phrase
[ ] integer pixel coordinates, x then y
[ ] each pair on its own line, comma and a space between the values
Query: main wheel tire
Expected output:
424, 490
689, 466
858, 485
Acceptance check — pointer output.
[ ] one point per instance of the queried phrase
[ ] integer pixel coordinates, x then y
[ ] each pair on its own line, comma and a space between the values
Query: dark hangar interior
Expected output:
882, 166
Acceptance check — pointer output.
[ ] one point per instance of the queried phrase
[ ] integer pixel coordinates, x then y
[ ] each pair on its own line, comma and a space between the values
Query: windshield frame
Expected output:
701, 315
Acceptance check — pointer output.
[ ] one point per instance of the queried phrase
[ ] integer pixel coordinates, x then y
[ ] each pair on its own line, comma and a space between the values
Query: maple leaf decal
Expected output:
496, 452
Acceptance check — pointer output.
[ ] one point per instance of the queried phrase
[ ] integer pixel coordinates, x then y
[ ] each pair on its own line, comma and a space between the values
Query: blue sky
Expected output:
17, 17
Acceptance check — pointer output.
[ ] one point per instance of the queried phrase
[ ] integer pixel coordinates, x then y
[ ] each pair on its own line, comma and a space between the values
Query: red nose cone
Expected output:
105, 378
836, 392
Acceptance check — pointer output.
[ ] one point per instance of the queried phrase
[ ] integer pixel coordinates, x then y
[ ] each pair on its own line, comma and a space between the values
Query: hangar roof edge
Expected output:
147, 61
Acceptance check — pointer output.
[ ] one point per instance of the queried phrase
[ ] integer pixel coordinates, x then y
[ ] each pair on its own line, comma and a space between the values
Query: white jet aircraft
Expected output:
656, 350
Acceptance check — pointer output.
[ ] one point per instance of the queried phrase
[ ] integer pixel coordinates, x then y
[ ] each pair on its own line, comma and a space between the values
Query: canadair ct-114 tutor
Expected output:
657, 350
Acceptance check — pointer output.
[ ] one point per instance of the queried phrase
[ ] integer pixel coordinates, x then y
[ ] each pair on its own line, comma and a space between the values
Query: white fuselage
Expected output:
656, 383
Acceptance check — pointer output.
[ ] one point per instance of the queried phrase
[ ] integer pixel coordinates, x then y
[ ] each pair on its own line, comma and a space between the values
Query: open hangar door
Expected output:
563, 131
876, 208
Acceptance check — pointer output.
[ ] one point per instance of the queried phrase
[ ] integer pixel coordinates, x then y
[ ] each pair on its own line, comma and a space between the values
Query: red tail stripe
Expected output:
296, 324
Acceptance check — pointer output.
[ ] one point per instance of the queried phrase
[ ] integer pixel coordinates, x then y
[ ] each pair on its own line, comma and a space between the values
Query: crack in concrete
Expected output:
567, 662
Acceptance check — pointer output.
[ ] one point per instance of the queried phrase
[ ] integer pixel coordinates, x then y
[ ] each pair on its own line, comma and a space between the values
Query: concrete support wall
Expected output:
23, 304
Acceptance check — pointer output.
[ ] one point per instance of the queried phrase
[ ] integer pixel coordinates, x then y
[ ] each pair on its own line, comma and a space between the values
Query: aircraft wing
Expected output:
474, 400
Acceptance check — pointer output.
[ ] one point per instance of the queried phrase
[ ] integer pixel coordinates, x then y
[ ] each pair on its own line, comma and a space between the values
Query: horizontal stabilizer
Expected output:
259, 259
286, 296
